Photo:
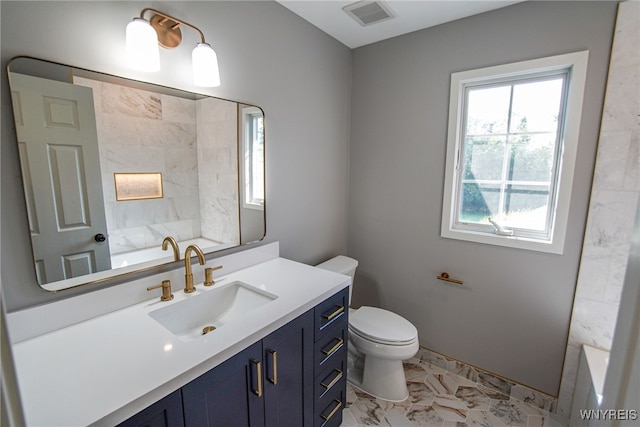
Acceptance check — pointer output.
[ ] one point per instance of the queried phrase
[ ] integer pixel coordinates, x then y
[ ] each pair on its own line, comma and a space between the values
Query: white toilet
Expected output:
379, 341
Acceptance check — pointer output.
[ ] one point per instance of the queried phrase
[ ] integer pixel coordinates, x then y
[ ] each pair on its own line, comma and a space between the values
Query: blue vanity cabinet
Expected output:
288, 370
231, 394
295, 376
330, 359
268, 384
166, 412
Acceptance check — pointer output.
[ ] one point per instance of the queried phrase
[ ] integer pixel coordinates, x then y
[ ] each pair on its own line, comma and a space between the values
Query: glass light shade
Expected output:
143, 52
205, 66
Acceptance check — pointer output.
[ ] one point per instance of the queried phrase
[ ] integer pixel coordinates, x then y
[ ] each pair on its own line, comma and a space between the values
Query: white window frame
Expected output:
576, 64
248, 116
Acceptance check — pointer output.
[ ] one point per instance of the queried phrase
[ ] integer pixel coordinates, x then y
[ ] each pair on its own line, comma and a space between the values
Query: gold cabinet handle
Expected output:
334, 348
274, 366
333, 411
335, 379
331, 316
258, 365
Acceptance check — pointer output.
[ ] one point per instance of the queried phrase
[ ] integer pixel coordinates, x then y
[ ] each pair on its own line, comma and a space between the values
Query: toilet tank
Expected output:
343, 265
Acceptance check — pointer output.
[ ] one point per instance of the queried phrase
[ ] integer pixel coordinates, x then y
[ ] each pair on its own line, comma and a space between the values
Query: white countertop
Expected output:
103, 370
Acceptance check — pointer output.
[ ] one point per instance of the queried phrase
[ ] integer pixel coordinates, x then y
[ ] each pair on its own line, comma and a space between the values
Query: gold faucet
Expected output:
188, 276
171, 241
166, 290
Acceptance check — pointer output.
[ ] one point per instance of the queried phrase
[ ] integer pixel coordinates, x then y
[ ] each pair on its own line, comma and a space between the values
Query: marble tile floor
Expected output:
440, 398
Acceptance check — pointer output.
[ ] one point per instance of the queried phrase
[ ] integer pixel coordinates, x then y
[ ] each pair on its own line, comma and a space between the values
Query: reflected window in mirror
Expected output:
253, 165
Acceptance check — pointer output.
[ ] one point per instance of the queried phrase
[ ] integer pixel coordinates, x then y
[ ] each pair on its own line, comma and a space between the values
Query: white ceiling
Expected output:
410, 15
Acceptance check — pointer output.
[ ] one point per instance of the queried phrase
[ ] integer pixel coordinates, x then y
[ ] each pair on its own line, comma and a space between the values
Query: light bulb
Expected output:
205, 66
142, 46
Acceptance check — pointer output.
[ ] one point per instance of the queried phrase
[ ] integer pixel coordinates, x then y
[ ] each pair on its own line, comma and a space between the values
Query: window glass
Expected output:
511, 137
513, 133
253, 164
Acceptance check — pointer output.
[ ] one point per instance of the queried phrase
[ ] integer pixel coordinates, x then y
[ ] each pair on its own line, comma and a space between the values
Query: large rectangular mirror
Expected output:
112, 166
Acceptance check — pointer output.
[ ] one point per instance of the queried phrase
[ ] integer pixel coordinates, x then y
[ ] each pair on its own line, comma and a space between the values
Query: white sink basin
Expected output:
216, 307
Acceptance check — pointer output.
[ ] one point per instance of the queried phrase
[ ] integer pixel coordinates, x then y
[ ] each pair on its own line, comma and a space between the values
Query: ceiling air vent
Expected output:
369, 12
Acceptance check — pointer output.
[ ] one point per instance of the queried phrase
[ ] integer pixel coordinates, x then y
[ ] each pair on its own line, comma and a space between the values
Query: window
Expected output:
253, 157
513, 135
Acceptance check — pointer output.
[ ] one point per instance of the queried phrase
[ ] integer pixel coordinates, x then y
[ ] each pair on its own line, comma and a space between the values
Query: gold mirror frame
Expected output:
250, 215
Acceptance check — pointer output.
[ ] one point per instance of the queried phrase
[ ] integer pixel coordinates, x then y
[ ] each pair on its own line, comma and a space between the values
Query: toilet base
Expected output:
385, 379
380, 378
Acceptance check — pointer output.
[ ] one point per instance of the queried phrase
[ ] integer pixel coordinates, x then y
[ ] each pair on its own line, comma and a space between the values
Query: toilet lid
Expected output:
381, 326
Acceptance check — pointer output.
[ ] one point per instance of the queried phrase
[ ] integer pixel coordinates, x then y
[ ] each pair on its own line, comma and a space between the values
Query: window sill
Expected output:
253, 206
506, 241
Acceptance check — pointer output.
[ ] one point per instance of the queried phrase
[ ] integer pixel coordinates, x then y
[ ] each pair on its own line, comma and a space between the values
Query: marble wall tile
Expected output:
623, 87
134, 103
177, 161
220, 221
593, 323
133, 158
218, 169
615, 194
632, 168
181, 230
125, 240
180, 186
609, 224
594, 273
615, 149
177, 109
140, 131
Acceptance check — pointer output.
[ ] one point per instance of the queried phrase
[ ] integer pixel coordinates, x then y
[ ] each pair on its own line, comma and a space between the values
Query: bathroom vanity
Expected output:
279, 360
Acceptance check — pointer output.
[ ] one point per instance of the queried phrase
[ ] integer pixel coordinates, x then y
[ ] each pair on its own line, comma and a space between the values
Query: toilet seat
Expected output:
382, 326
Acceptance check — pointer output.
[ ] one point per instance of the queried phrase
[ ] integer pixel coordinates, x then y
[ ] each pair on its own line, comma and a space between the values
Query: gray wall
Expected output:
268, 57
511, 317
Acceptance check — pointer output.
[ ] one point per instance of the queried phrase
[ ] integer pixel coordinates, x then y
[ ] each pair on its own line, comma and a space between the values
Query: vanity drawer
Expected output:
332, 376
331, 311
329, 409
331, 346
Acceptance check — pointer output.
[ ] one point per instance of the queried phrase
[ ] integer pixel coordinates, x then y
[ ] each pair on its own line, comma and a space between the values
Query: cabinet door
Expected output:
231, 394
166, 412
288, 361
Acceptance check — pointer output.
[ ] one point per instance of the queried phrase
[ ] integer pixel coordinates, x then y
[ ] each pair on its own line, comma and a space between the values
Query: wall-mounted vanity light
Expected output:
143, 38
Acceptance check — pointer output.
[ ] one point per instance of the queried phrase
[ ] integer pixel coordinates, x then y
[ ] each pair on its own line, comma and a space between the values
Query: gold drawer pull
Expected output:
331, 316
258, 366
333, 382
274, 366
334, 348
333, 411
